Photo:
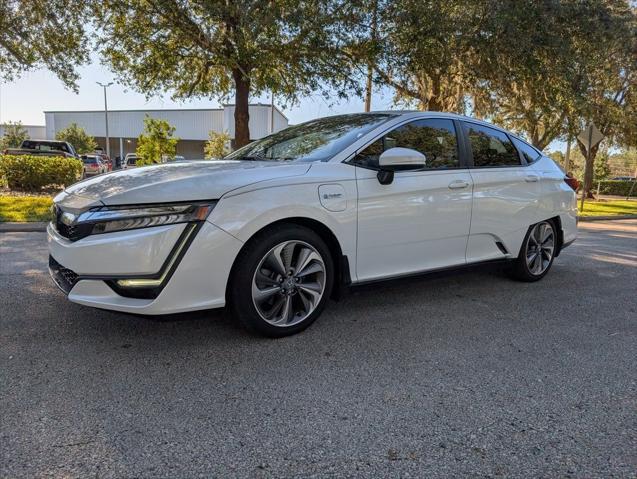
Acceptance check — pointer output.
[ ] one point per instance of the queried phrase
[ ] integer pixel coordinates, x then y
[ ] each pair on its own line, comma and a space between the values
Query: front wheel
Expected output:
537, 253
281, 281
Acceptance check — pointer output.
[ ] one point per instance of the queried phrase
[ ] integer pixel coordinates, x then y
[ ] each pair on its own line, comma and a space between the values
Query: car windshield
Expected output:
89, 160
316, 140
44, 146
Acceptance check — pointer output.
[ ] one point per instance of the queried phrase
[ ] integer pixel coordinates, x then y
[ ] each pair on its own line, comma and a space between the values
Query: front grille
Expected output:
70, 232
63, 277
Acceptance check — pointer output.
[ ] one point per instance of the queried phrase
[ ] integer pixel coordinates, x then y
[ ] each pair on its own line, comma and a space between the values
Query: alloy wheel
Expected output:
288, 283
540, 247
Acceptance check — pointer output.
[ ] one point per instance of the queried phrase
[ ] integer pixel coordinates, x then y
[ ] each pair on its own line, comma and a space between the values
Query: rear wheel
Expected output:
281, 281
537, 253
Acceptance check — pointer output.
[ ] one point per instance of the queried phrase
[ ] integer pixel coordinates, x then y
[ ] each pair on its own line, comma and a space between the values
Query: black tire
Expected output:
520, 269
240, 296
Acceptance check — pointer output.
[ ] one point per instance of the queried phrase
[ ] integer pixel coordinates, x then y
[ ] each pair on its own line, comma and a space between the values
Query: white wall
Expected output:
36, 132
189, 124
259, 120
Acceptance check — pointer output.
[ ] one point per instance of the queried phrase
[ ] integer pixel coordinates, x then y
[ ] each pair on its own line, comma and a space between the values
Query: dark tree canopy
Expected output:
43, 34
209, 49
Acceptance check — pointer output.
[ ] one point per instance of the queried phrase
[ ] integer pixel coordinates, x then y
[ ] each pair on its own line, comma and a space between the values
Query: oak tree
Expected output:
211, 48
43, 33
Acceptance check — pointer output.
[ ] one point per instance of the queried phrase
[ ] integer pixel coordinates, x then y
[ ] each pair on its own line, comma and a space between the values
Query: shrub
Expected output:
217, 145
619, 188
34, 172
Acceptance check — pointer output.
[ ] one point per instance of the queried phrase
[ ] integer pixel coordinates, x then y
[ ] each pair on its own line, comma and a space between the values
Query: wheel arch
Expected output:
560, 234
557, 224
341, 263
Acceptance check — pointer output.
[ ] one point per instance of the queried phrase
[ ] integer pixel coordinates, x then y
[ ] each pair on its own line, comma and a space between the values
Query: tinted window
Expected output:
491, 147
529, 153
434, 138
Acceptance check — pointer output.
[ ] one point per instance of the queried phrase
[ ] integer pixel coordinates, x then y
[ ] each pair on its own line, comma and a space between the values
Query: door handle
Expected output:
531, 178
458, 184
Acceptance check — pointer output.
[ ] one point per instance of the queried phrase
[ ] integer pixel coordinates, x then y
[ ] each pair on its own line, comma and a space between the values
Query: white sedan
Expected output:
278, 227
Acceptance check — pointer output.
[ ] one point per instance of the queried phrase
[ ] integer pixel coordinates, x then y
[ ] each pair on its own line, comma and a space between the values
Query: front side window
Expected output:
316, 140
434, 138
491, 147
530, 154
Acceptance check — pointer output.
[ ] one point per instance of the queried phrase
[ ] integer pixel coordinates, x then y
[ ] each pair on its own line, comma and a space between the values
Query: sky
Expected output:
27, 98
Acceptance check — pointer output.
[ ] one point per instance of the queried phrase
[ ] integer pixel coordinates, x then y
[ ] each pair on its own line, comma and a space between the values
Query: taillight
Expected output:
572, 182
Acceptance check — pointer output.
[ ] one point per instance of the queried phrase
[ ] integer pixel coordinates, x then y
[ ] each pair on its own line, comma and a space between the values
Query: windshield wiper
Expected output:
253, 158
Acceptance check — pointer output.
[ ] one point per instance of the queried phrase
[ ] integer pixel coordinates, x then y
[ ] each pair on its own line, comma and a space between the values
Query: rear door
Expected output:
505, 194
421, 220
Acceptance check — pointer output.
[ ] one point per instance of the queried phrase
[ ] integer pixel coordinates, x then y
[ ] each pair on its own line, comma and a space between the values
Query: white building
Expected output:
35, 131
192, 127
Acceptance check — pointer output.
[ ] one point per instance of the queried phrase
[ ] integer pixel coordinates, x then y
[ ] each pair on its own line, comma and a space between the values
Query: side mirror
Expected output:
398, 158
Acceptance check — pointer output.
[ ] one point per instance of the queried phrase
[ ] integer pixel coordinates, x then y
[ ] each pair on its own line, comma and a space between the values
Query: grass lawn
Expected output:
25, 208
608, 208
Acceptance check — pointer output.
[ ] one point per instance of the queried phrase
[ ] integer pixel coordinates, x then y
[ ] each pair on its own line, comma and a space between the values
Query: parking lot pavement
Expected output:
462, 375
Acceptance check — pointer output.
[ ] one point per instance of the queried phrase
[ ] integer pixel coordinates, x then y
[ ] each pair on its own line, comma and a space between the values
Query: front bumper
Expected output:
86, 269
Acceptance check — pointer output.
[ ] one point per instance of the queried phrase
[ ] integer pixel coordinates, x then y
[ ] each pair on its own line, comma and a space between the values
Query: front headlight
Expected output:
107, 219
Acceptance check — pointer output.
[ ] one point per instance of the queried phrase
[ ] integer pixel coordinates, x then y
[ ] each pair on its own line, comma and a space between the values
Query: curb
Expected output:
607, 218
33, 227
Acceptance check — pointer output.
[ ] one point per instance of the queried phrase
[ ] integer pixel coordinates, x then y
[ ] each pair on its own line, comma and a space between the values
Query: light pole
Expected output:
108, 141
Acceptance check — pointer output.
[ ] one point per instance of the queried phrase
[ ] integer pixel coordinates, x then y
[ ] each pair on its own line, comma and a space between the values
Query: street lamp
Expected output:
108, 141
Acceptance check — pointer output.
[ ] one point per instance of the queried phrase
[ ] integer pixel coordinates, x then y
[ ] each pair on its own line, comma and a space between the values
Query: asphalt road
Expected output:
467, 375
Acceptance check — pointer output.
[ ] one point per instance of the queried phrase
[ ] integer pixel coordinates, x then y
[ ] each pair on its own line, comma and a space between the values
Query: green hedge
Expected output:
619, 188
31, 173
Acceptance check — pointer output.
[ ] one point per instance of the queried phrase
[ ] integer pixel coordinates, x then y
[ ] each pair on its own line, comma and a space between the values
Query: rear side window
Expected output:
490, 147
530, 154
434, 138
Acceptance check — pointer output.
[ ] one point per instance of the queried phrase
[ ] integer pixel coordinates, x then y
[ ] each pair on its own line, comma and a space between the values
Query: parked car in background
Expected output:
623, 178
43, 148
166, 159
130, 161
93, 165
106, 160
279, 226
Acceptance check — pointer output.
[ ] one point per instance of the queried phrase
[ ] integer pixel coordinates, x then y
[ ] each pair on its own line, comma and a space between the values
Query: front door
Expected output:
421, 220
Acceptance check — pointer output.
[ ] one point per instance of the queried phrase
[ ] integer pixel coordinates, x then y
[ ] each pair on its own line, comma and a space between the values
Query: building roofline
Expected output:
141, 110
133, 110
3, 124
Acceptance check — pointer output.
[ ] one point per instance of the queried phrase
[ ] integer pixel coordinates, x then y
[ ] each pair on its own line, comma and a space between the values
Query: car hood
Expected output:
191, 181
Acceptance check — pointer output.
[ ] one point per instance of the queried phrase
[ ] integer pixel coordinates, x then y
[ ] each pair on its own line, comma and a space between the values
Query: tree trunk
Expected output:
370, 65
588, 170
241, 109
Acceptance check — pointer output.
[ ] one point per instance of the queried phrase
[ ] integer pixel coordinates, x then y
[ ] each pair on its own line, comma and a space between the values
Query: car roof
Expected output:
434, 114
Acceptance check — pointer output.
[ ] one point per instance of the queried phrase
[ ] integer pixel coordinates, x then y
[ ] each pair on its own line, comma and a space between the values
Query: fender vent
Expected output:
501, 247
